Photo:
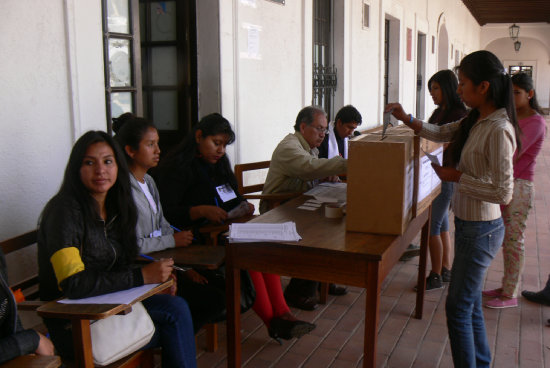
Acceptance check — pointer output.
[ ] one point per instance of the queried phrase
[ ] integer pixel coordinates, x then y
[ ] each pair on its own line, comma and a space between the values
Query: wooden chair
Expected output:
80, 319
253, 191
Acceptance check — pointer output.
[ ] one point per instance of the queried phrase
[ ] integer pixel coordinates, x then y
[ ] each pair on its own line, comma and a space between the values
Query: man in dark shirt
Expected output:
336, 141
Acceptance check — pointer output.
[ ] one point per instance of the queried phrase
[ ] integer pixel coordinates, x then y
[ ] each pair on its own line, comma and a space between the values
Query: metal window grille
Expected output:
325, 79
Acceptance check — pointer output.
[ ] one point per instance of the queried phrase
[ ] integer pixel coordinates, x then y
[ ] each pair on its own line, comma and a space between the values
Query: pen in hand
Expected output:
155, 260
178, 230
217, 205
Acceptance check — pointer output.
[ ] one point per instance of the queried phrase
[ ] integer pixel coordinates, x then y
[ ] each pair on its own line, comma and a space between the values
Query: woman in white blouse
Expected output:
482, 148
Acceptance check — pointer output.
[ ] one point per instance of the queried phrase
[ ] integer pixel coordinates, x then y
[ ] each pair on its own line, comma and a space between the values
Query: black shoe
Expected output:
284, 329
433, 282
337, 290
412, 251
536, 297
445, 275
307, 303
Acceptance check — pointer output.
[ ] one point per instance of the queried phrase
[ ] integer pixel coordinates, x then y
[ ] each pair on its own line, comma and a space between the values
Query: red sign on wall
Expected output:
409, 44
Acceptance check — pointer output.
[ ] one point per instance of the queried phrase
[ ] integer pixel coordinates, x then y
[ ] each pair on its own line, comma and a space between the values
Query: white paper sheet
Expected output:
252, 232
329, 192
120, 297
428, 178
308, 208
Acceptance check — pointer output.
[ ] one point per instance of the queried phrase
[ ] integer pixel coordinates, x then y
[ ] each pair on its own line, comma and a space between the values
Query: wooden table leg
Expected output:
371, 315
82, 342
323, 292
421, 281
233, 292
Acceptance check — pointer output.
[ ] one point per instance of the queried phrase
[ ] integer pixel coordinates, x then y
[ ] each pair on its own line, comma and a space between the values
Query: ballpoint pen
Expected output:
155, 260
175, 228
217, 205
178, 230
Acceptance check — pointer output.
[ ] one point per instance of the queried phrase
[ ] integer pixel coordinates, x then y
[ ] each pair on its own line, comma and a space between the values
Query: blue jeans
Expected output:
173, 330
440, 209
476, 243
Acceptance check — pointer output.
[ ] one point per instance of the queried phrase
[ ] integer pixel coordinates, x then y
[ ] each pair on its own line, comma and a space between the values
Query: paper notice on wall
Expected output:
428, 179
252, 42
251, 3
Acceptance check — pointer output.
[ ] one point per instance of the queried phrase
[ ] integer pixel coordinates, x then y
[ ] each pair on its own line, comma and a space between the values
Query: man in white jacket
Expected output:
336, 141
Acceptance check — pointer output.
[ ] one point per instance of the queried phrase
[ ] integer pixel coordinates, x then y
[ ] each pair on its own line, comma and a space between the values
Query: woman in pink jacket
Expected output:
515, 213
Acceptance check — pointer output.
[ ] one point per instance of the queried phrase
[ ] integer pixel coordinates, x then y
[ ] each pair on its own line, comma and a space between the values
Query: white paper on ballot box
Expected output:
409, 187
428, 179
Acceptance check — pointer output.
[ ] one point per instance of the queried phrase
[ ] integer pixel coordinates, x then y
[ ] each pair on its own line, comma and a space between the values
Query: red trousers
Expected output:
270, 301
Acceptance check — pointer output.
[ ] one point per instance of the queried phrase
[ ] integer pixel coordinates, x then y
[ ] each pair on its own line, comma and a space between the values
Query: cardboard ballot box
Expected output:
390, 180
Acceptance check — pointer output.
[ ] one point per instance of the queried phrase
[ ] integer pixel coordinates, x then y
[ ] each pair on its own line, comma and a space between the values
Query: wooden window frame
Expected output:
135, 60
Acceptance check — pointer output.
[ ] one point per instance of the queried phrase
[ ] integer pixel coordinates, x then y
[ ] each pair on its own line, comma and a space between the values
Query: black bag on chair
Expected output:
248, 293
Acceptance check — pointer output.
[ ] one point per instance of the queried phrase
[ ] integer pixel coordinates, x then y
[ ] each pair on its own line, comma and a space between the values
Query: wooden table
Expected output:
196, 256
326, 253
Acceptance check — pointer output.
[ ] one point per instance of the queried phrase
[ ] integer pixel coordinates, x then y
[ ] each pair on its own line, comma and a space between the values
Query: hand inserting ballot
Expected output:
447, 173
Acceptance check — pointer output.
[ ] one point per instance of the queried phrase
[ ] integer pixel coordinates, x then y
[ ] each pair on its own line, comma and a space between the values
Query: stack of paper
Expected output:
118, 297
329, 192
256, 232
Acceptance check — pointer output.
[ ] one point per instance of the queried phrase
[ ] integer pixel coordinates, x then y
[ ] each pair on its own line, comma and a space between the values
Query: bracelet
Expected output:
411, 120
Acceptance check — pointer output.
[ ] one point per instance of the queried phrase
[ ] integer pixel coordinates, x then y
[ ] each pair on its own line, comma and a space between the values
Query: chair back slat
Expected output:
19, 242
240, 169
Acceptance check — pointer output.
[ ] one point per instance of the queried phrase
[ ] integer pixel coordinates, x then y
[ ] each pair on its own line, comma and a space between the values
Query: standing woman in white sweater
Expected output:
482, 148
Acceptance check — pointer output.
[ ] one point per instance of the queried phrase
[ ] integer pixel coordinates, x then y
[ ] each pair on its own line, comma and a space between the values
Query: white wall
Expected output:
262, 94
52, 90
535, 51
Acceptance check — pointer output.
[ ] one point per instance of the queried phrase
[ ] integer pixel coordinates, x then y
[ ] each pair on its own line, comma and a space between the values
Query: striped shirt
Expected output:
486, 164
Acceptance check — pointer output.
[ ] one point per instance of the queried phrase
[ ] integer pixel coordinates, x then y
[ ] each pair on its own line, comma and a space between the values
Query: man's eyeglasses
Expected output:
320, 129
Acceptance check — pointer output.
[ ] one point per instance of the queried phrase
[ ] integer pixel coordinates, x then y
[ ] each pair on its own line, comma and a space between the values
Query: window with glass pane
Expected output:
527, 69
122, 82
159, 49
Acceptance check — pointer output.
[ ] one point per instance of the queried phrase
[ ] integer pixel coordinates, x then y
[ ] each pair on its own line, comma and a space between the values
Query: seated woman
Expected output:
16, 341
139, 139
87, 246
197, 185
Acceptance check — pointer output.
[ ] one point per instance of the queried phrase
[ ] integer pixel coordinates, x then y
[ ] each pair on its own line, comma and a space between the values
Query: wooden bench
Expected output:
29, 288
81, 336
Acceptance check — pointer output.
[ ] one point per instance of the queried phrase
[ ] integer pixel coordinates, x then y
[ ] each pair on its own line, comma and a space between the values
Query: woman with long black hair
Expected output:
87, 246
139, 140
196, 186
481, 167
442, 86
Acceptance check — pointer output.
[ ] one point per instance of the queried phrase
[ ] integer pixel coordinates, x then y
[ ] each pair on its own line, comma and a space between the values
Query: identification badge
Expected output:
155, 234
226, 193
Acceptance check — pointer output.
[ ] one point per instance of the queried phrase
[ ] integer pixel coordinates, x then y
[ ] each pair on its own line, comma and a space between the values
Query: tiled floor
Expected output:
517, 336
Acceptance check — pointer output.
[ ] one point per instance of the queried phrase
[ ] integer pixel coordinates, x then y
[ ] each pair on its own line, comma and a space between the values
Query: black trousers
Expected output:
301, 287
206, 301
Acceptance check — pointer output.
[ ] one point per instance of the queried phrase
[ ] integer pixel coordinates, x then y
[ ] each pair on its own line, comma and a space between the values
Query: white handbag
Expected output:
118, 336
